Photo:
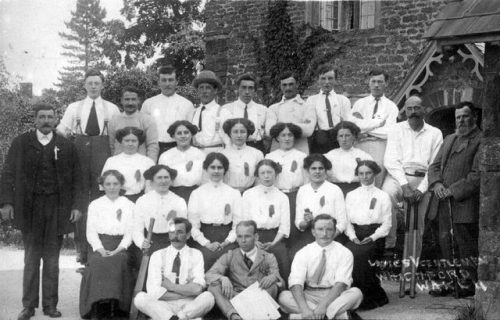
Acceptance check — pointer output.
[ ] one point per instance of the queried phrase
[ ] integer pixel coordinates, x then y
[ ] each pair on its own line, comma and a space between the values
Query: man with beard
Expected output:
41, 191
209, 115
454, 178
412, 146
331, 108
167, 107
132, 117
175, 280
292, 109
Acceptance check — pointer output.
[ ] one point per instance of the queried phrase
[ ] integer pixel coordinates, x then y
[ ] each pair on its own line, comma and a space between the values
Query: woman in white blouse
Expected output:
291, 160
184, 158
344, 159
130, 162
368, 223
107, 280
269, 208
160, 204
242, 158
214, 210
316, 197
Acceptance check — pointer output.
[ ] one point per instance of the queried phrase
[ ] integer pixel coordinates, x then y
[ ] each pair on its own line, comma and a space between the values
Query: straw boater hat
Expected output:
207, 76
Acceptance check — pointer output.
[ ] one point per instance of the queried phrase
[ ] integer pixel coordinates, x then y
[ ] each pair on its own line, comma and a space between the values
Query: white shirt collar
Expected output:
252, 254
216, 184
97, 100
379, 99
243, 104
44, 139
297, 99
368, 187
266, 189
424, 127
331, 93
211, 104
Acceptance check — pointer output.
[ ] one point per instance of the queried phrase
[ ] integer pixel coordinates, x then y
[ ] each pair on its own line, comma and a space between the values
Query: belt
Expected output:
290, 190
415, 173
317, 288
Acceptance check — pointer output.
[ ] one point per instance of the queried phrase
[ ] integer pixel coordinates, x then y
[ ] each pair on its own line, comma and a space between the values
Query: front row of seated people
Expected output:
322, 270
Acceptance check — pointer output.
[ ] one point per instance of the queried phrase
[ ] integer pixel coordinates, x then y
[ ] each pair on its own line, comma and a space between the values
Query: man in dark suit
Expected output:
239, 268
454, 179
41, 191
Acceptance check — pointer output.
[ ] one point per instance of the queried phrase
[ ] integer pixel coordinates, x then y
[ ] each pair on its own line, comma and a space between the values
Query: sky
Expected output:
30, 44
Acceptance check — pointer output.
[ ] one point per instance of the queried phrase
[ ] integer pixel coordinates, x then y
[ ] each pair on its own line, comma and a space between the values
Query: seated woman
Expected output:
268, 207
368, 223
291, 160
106, 287
214, 210
184, 158
344, 159
242, 158
317, 197
160, 204
130, 162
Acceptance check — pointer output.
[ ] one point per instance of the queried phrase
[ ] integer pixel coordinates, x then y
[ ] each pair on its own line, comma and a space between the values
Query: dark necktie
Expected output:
92, 128
375, 109
200, 120
328, 110
245, 114
176, 267
248, 261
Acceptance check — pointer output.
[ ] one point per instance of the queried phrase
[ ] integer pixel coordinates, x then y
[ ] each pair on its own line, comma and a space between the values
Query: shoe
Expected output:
443, 291
52, 312
26, 313
466, 292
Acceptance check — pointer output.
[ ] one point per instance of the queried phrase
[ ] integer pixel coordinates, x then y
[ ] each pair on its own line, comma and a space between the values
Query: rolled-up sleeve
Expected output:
298, 271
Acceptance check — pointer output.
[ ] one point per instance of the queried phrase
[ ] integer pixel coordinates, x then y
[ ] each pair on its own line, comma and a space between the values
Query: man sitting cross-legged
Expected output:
320, 278
239, 268
175, 280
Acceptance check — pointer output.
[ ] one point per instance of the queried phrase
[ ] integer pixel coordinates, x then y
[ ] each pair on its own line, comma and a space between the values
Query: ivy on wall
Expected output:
286, 49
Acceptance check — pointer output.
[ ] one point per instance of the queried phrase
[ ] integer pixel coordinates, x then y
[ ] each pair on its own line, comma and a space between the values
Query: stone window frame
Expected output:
350, 15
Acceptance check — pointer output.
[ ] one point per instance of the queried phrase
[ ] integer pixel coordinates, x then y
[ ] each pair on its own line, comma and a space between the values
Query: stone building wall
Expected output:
393, 44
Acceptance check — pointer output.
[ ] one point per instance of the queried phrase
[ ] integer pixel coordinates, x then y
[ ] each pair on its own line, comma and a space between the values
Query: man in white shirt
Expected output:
167, 107
321, 277
239, 268
132, 117
412, 146
209, 116
246, 108
86, 122
176, 280
331, 108
374, 115
292, 108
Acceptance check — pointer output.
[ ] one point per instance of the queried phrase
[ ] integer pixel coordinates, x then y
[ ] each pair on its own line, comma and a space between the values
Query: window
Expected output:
342, 15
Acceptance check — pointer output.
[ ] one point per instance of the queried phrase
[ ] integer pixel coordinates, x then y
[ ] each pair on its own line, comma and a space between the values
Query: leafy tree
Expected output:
167, 26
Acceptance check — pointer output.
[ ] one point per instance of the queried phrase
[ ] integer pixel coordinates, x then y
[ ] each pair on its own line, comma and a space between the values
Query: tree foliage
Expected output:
167, 26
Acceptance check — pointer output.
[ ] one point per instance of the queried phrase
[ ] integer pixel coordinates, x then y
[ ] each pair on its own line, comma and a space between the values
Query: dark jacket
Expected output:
464, 183
18, 180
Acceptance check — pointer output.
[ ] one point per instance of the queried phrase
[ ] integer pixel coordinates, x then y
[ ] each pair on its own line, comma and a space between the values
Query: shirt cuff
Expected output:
157, 293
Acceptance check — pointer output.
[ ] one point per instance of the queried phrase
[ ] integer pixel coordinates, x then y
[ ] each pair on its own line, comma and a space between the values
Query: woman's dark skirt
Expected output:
347, 187
214, 233
279, 250
158, 241
363, 274
106, 278
295, 234
183, 192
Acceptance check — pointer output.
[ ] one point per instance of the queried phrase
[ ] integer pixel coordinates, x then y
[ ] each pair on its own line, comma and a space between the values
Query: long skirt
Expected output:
363, 274
279, 250
183, 192
158, 241
214, 233
294, 232
106, 278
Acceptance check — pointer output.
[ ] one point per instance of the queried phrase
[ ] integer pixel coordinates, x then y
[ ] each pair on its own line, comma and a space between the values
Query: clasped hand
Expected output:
108, 253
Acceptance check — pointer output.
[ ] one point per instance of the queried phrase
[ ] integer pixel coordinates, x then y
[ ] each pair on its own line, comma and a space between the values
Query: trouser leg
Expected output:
466, 237
222, 302
31, 272
199, 307
287, 302
155, 309
350, 299
444, 230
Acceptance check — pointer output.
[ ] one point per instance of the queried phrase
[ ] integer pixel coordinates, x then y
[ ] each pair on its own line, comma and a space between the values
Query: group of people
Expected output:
298, 196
